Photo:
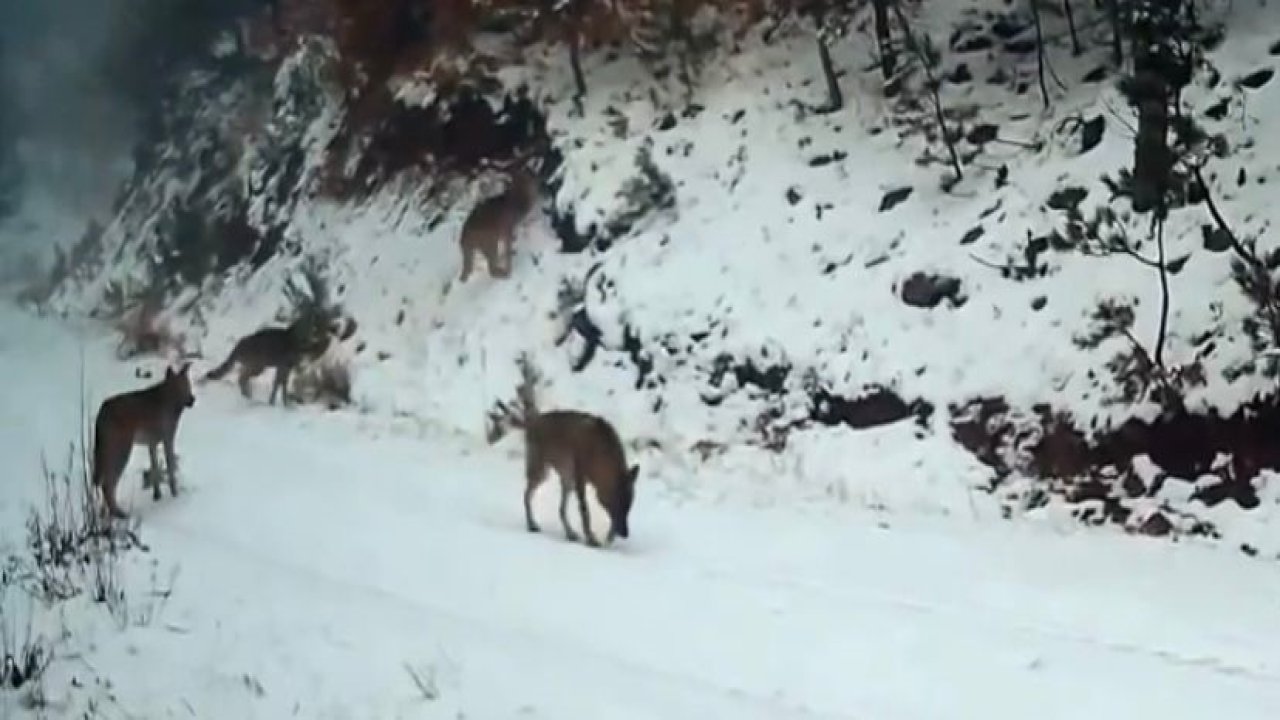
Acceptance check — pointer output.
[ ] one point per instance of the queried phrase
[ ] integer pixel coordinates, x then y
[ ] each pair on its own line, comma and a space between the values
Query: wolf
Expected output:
142, 417
489, 228
584, 449
281, 348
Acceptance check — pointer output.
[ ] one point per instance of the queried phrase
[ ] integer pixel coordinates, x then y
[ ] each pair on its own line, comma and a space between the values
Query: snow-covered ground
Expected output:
316, 556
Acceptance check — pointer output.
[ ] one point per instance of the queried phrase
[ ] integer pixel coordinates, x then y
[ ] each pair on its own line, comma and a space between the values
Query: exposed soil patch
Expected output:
927, 291
1223, 456
878, 406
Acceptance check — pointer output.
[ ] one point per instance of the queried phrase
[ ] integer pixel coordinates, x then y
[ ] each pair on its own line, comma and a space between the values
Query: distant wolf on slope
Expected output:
490, 227
584, 449
281, 348
142, 417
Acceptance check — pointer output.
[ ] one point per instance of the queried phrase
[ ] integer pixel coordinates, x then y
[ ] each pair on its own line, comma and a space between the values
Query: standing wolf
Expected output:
281, 348
584, 449
143, 417
489, 228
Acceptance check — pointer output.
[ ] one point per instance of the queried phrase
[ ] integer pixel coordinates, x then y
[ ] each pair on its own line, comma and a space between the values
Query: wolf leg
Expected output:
586, 517
569, 534
171, 467
534, 473
468, 264
153, 473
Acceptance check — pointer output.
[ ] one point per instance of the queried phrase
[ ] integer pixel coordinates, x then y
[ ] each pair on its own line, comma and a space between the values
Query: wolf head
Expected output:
619, 506
177, 386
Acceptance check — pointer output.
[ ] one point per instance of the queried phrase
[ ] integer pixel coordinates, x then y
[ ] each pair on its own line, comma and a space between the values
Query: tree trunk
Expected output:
835, 98
1117, 32
884, 42
1151, 147
1044, 89
1149, 91
575, 63
933, 85
1163, 330
1071, 26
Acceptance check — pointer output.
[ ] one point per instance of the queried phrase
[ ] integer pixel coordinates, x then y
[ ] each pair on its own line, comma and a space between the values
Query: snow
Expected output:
849, 574
313, 555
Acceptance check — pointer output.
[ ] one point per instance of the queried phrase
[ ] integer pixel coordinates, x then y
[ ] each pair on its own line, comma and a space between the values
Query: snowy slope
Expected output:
772, 257
314, 555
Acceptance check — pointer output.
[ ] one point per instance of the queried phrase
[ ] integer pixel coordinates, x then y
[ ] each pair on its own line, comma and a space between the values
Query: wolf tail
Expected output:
219, 372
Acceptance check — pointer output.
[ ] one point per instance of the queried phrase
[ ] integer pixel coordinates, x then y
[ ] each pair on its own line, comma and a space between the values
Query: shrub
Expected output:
651, 190
24, 653
325, 377
310, 298
137, 310
327, 381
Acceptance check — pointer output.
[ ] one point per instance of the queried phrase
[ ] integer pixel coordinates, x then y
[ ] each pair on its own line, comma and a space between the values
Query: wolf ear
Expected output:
185, 367
632, 472
168, 372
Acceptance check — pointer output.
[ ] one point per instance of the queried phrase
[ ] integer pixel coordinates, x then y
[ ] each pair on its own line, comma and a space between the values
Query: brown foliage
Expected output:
370, 36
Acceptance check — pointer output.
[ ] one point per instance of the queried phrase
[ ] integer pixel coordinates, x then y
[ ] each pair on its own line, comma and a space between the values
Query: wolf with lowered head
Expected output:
583, 449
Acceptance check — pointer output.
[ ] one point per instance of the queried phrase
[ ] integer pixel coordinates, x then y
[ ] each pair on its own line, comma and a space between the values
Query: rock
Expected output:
1133, 485
893, 197
1067, 198
982, 133
1257, 78
973, 43
1009, 26
771, 379
879, 406
821, 160
1091, 132
1241, 492
972, 235
960, 75
927, 291
1156, 525
793, 195
1215, 239
1275, 48
1218, 110
1038, 302
1088, 490
1021, 47
1096, 75
667, 122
